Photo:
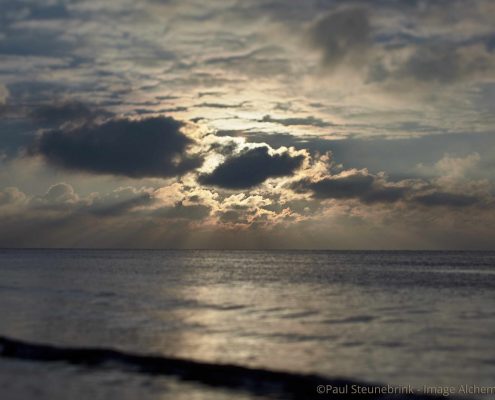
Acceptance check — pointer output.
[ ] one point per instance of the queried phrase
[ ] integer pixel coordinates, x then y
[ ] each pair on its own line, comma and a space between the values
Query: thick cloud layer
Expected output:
153, 147
446, 199
355, 185
370, 189
250, 168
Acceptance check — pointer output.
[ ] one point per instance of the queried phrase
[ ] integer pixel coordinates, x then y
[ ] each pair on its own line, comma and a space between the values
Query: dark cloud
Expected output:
225, 149
342, 35
446, 199
308, 121
147, 111
221, 105
153, 147
210, 93
173, 109
357, 185
167, 97
371, 189
250, 168
236, 133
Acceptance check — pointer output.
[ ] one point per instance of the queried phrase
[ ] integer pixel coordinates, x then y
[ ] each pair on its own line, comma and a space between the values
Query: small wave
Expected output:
106, 294
350, 320
394, 321
390, 344
299, 314
269, 383
229, 307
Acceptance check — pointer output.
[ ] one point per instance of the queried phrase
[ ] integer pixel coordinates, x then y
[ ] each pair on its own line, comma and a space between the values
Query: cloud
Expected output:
221, 105
153, 147
469, 154
433, 64
374, 188
445, 199
353, 184
342, 36
119, 202
60, 197
232, 216
61, 193
447, 63
34, 42
452, 168
180, 211
73, 112
11, 196
309, 121
432, 47
250, 168
266, 61
32, 10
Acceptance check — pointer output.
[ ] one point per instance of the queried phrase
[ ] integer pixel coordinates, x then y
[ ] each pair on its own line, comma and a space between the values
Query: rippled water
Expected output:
394, 317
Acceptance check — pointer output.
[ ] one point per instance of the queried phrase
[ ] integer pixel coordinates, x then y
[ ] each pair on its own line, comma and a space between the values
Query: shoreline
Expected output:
251, 380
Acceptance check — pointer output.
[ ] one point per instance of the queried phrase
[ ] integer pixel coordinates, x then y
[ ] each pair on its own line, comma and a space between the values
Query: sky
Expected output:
312, 124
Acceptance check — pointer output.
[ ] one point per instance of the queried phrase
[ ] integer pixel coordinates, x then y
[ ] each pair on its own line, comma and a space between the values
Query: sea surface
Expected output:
399, 318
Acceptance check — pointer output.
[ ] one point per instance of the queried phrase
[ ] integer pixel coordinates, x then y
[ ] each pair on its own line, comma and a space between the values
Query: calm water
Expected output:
394, 317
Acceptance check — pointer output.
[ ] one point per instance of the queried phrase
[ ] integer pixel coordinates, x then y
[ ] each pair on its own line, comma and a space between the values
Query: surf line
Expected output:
276, 384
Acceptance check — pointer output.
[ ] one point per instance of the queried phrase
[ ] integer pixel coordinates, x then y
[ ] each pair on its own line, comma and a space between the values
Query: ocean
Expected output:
398, 318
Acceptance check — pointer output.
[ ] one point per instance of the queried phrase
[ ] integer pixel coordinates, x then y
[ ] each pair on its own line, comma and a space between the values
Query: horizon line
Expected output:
241, 249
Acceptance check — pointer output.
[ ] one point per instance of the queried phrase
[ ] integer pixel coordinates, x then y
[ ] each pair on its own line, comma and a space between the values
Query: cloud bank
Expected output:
153, 147
251, 167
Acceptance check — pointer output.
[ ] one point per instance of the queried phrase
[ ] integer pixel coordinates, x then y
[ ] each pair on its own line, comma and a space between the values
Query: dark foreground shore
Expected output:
259, 382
